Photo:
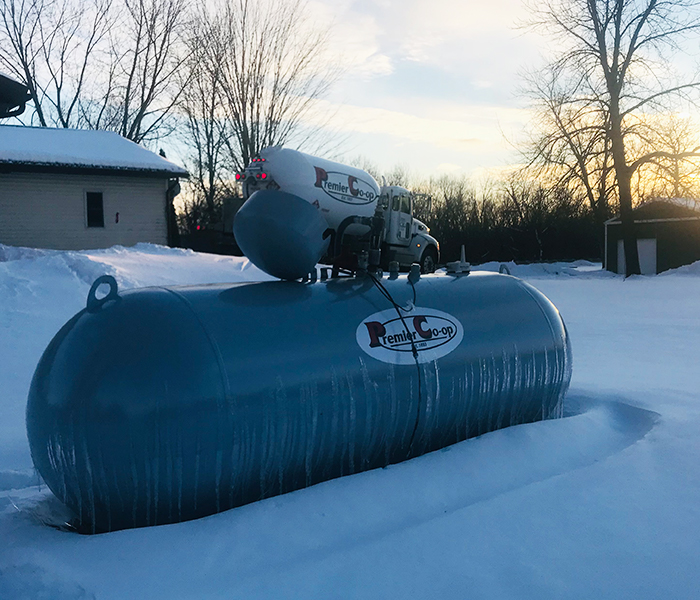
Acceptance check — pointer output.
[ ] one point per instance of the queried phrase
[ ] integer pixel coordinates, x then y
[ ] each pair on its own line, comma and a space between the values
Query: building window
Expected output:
95, 209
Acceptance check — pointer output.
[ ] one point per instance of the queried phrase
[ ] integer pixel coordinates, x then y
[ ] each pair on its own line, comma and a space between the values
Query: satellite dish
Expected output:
13, 96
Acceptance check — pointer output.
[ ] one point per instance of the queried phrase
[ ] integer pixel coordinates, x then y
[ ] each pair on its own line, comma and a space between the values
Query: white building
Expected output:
71, 189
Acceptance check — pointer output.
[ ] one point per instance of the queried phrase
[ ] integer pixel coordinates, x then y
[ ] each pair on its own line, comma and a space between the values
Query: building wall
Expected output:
677, 242
49, 211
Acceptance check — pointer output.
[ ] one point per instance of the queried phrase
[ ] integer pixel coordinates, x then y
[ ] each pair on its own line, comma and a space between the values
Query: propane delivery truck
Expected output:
357, 223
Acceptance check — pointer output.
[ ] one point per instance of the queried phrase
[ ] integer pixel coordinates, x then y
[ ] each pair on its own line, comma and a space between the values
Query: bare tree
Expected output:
569, 145
20, 45
70, 35
51, 47
95, 63
399, 175
275, 71
618, 51
153, 57
677, 172
366, 164
253, 74
204, 129
142, 83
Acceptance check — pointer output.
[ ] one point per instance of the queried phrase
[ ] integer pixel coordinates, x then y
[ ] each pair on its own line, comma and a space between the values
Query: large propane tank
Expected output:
160, 405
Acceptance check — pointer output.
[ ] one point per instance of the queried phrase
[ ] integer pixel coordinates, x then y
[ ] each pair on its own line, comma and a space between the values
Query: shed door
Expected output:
646, 247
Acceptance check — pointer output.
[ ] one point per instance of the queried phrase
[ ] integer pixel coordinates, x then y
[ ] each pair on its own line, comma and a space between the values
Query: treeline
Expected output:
514, 220
502, 221
511, 220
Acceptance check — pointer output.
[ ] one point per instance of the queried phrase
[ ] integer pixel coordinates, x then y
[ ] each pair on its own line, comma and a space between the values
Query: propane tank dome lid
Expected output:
281, 234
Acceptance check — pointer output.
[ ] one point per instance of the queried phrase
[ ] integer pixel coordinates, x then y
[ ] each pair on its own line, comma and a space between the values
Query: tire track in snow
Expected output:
434, 486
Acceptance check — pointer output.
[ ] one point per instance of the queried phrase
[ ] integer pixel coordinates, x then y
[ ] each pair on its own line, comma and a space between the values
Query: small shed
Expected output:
668, 236
71, 189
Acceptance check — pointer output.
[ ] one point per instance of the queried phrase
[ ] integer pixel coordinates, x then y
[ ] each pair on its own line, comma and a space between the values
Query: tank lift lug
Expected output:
93, 302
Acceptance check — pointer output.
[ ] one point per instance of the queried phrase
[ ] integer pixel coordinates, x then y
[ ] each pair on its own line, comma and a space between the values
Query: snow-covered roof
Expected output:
78, 150
660, 209
690, 203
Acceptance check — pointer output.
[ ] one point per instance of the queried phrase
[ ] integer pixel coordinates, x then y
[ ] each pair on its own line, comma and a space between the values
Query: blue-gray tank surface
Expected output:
281, 234
160, 405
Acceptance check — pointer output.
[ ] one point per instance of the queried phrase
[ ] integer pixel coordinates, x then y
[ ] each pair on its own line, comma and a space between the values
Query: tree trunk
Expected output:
629, 236
600, 215
624, 178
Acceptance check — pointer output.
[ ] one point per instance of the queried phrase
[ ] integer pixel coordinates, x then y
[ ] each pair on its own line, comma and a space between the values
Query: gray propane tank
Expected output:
160, 405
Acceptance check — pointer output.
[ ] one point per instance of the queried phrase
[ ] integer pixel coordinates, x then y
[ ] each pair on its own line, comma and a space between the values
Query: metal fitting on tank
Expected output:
414, 273
394, 269
362, 262
459, 267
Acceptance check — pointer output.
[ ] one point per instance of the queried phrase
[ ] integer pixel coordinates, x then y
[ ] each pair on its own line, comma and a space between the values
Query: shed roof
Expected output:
663, 209
43, 149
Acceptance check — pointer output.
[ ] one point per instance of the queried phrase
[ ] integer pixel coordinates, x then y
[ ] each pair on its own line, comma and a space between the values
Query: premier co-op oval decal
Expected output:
345, 188
388, 338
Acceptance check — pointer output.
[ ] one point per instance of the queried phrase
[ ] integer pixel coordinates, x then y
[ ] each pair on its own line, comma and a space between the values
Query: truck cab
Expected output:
406, 239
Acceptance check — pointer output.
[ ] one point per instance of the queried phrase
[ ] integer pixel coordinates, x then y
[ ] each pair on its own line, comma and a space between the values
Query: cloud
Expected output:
448, 168
353, 38
427, 139
431, 31
428, 80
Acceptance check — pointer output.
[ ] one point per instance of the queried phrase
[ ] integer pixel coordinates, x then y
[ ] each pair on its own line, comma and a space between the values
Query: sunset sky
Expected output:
430, 85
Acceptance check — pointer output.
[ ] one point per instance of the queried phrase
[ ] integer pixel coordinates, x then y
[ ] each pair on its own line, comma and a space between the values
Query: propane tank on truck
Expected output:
353, 214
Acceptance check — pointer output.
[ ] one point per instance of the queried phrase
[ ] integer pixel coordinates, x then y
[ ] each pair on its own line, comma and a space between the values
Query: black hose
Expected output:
414, 350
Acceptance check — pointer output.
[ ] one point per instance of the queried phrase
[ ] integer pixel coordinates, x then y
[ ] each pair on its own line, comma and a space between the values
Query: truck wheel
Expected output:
428, 262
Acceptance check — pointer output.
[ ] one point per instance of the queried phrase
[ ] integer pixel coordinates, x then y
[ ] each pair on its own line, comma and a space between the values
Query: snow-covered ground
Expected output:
604, 503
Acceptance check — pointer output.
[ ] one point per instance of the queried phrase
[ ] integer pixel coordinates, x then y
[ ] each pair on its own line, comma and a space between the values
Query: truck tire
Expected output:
428, 261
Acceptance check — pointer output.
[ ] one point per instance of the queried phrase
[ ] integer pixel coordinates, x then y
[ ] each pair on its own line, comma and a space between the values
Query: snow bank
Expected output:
579, 268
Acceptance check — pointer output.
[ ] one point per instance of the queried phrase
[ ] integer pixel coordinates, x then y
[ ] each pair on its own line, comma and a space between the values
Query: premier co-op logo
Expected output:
345, 188
388, 338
